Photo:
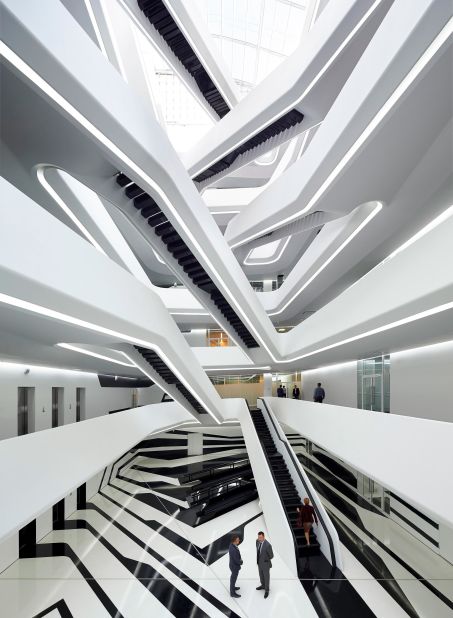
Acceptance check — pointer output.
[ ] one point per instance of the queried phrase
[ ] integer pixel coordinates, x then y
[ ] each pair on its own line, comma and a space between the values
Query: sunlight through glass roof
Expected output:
254, 36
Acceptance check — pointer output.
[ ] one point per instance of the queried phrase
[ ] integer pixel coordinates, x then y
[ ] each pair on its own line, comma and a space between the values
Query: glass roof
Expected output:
254, 36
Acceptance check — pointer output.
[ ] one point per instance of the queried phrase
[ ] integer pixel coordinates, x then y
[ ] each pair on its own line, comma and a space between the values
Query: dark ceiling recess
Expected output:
155, 361
158, 221
159, 16
290, 119
123, 382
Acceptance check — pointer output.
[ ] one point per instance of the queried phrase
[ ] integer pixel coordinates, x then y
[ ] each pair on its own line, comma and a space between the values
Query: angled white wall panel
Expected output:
374, 133
73, 454
110, 131
60, 272
415, 280
373, 443
309, 69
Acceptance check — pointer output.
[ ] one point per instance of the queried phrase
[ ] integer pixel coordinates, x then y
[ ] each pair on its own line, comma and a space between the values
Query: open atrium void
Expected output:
226, 309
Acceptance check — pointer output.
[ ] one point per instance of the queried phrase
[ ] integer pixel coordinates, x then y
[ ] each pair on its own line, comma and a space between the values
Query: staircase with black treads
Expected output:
285, 486
162, 20
156, 363
285, 123
187, 262
329, 591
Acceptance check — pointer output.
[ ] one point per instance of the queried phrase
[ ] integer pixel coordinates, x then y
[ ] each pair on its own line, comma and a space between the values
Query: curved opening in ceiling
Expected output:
267, 254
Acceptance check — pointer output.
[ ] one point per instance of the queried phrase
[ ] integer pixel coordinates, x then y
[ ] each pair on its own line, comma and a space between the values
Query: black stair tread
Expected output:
133, 190
123, 180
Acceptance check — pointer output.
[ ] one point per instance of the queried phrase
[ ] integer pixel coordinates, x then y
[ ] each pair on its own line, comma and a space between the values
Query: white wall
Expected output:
98, 400
150, 394
196, 338
421, 382
73, 454
399, 452
339, 382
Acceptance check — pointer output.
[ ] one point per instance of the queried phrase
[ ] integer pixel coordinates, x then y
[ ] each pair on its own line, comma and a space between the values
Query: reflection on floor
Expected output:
137, 549
418, 579
154, 541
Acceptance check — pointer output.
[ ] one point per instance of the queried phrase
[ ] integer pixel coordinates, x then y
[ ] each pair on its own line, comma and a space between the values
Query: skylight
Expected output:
254, 36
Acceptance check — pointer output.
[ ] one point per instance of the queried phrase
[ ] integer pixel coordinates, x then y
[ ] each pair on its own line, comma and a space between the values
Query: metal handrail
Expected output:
206, 494
187, 478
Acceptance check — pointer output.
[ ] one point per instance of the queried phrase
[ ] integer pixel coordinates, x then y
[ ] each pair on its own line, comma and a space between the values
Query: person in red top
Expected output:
306, 514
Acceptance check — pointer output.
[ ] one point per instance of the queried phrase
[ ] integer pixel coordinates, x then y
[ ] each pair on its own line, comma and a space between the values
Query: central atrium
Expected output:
226, 309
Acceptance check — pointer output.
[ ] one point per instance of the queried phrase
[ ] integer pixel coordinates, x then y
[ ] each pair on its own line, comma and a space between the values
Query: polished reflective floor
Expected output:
143, 547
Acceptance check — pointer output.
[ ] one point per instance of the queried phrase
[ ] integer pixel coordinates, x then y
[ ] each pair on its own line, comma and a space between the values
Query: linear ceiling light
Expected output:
69, 109
247, 368
69, 319
97, 32
430, 226
68, 346
375, 331
44, 368
40, 174
385, 109
338, 250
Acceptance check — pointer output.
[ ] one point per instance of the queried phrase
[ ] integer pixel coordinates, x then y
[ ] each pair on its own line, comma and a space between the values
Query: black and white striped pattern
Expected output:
396, 553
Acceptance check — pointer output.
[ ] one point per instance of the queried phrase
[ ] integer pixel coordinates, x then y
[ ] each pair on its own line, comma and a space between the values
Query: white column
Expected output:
267, 385
194, 444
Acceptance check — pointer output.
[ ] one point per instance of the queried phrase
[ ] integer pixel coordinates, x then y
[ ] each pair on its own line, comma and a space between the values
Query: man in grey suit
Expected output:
235, 564
264, 555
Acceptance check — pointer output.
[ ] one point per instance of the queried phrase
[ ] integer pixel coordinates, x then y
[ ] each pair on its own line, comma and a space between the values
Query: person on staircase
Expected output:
264, 555
306, 515
235, 564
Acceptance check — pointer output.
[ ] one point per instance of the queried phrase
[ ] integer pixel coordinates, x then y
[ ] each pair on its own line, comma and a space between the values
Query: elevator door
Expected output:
22, 411
57, 406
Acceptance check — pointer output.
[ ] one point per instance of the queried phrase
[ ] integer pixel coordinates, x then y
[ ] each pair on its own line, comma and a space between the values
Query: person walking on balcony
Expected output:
306, 515
235, 564
296, 392
280, 391
319, 394
264, 555
284, 391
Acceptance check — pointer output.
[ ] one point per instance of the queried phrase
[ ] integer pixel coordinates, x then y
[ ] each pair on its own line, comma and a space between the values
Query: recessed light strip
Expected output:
375, 331
94, 23
406, 82
40, 174
68, 346
26, 70
427, 228
63, 317
338, 250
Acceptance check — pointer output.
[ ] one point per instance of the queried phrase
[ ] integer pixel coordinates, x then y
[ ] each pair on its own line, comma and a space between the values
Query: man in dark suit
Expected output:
264, 555
235, 564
